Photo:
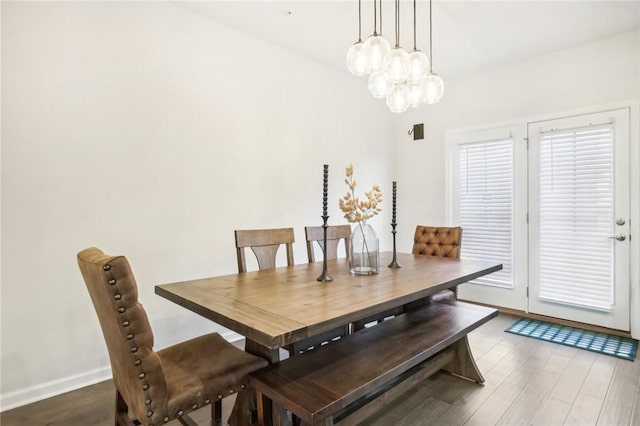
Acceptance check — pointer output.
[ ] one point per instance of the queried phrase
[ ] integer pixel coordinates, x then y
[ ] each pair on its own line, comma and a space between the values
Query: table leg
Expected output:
273, 414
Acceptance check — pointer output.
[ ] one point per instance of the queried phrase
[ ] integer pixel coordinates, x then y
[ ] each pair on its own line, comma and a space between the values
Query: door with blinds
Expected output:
579, 218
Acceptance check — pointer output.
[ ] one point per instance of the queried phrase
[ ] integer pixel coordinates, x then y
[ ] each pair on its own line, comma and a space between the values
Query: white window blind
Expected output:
576, 216
485, 205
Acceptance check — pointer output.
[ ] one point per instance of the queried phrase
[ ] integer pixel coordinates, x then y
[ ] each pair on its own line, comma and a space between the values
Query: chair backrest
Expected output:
136, 368
334, 235
437, 241
265, 244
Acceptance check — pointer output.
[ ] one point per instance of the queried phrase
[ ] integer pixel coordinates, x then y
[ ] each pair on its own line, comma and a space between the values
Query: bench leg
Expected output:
272, 415
463, 364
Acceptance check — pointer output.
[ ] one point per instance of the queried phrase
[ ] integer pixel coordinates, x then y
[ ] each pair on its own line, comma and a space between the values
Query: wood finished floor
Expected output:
528, 382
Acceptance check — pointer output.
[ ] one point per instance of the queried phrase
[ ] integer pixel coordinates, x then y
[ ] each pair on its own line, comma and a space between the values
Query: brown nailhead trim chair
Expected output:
441, 242
158, 386
427, 241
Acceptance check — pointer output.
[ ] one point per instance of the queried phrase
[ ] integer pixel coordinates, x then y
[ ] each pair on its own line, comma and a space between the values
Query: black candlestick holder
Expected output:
394, 262
324, 277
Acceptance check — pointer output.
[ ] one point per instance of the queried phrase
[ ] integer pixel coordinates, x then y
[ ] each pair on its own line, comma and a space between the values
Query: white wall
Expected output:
592, 74
152, 132
579, 79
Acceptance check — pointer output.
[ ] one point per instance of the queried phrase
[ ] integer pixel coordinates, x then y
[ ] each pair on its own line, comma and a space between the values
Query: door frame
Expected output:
634, 142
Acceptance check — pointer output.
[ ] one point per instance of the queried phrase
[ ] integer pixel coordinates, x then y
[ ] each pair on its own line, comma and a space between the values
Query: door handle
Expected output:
619, 237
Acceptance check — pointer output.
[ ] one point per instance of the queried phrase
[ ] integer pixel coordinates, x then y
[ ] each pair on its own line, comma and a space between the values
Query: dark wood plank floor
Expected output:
528, 382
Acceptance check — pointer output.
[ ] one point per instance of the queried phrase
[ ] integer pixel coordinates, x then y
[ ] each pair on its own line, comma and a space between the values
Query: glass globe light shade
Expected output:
378, 85
434, 88
357, 59
416, 93
376, 48
398, 98
396, 65
418, 66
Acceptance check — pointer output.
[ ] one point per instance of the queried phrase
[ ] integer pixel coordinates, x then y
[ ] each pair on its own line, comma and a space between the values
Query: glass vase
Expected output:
364, 255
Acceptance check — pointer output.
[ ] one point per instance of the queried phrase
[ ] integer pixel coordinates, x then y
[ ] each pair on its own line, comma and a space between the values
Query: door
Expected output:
579, 218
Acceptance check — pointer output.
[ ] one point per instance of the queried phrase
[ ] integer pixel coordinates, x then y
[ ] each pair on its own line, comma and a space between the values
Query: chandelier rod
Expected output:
430, 38
414, 25
380, 18
375, 18
397, 23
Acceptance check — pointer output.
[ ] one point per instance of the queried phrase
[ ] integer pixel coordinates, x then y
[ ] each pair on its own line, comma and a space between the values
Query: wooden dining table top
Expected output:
276, 307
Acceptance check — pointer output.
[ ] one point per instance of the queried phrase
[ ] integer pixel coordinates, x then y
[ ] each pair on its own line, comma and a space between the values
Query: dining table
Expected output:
277, 307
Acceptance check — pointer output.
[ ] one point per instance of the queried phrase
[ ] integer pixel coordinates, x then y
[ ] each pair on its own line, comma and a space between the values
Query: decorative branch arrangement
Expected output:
324, 277
394, 262
356, 210
364, 250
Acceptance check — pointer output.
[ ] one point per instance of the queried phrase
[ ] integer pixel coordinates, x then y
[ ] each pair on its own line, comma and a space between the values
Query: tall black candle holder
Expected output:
324, 277
394, 262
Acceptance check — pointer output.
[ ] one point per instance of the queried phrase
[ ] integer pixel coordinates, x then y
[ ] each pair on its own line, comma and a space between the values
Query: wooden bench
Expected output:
354, 377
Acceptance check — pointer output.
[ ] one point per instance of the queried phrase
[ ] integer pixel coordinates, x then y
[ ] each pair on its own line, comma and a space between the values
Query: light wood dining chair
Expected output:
315, 234
334, 235
155, 387
427, 241
265, 244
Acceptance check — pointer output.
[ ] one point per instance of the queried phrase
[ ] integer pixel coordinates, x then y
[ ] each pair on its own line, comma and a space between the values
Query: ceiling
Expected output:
467, 35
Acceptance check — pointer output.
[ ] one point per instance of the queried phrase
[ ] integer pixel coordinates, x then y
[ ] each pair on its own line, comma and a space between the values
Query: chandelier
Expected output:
405, 79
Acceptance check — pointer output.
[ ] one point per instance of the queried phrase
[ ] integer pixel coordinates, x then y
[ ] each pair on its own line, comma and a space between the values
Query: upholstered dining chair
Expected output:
427, 241
442, 242
334, 235
265, 244
154, 387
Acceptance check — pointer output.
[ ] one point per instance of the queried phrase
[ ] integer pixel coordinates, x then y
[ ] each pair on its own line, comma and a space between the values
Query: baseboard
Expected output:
42, 391
553, 320
46, 390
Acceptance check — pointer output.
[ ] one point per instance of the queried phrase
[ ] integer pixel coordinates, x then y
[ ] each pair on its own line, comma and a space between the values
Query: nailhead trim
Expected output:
207, 401
195, 406
137, 362
231, 391
220, 396
166, 419
242, 386
180, 413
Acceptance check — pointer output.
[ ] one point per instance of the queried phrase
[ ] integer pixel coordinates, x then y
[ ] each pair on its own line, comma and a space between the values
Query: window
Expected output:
485, 205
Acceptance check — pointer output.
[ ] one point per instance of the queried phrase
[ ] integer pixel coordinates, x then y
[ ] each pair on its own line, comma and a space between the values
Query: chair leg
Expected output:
240, 414
216, 411
122, 412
